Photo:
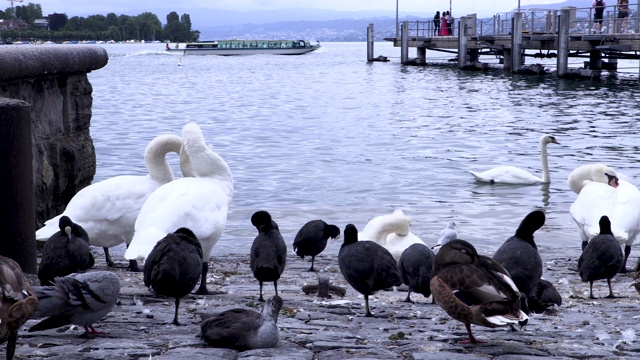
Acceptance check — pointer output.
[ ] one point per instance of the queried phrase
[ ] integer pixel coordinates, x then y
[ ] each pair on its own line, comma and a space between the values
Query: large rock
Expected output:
53, 80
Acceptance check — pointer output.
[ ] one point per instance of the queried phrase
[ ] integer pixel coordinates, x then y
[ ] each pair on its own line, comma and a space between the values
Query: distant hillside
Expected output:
331, 30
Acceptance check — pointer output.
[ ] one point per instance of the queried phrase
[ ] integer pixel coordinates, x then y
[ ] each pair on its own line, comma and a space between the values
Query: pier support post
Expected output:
462, 43
370, 43
17, 218
516, 41
404, 43
563, 42
422, 55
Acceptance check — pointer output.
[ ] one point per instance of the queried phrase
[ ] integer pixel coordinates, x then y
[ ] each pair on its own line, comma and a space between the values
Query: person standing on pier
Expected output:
598, 14
443, 24
436, 23
623, 15
450, 23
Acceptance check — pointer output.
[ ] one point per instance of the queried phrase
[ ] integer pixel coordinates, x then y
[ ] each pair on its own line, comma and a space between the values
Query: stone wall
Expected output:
53, 80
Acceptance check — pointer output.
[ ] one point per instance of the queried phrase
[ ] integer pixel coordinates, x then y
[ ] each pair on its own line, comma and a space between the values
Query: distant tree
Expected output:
57, 21
28, 13
148, 24
172, 17
3, 15
94, 23
178, 29
111, 20
74, 24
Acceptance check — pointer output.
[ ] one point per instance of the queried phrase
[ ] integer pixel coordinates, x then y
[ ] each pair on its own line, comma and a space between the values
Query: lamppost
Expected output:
397, 24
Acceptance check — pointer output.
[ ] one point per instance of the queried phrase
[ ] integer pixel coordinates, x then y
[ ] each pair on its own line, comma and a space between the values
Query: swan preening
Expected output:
620, 204
199, 203
585, 174
392, 231
107, 210
514, 175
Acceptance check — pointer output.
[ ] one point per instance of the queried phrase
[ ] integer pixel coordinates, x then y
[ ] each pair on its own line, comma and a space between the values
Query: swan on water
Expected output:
199, 203
107, 210
513, 175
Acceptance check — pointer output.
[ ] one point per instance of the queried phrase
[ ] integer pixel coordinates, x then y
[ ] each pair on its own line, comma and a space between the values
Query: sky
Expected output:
459, 7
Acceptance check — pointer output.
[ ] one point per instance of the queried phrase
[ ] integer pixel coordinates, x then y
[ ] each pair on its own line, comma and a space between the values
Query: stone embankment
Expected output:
315, 328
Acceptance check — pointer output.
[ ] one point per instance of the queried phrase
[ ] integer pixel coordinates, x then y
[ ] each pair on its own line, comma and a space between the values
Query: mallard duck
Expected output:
366, 265
519, 255
18, 303
602, 258
474, 289
312, 238
268, 251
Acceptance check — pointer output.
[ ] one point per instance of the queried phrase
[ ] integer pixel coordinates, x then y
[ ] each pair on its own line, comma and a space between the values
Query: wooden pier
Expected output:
539, 33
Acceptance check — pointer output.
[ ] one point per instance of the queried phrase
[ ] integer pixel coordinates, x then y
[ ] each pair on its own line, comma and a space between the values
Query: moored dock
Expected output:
535, 33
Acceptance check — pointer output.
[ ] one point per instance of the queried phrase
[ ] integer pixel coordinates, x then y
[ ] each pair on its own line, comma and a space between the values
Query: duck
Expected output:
392, 231
447, 234
268, 252
367, 266
621, 205
79, 299
107, 210
66, 252
474, 289
601, 259
585, 174
173, 266
544, 296
312, 238
243, 329
18, 303
520, 257
415, 267
513, 175
199, 202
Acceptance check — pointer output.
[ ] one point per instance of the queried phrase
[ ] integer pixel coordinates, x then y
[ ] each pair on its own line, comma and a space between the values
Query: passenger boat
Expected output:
244, 47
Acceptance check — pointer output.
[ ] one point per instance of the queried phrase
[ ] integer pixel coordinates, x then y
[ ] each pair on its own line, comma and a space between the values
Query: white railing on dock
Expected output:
542, 21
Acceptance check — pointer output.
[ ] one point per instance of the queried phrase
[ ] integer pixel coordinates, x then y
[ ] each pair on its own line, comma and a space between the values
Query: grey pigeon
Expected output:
244, 329
79, 299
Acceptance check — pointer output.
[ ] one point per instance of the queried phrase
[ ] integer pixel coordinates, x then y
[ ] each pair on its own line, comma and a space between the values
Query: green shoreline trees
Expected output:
145, 26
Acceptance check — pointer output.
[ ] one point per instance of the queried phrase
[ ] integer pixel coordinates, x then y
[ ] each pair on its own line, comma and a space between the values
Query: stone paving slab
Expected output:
313, 328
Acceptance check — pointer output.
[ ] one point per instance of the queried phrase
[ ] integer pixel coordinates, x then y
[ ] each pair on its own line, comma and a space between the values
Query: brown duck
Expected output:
18, 303
474, 289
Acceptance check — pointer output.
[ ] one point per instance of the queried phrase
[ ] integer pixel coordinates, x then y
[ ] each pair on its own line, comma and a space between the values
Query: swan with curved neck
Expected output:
585, 174
199, 203
392, 231
107, 210
515, 175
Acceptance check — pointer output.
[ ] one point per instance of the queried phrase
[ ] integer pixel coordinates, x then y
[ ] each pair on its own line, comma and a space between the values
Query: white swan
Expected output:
199, 203
447, 234
585, 174
514, 175
621, 205
392, 231
107, 210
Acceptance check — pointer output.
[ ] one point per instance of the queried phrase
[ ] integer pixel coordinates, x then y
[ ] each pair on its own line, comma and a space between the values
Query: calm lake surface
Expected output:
328, 135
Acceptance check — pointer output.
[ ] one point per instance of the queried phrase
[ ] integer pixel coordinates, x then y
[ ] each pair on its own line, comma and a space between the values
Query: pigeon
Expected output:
79, 299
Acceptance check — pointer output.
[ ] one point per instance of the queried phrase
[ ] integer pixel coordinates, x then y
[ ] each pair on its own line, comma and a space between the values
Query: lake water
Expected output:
328, 135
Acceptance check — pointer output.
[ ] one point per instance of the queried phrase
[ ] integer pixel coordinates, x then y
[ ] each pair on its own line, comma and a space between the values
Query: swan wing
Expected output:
507, 175
107, 210
200, 204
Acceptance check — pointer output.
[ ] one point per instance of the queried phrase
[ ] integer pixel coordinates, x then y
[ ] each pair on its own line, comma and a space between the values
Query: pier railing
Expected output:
541, 21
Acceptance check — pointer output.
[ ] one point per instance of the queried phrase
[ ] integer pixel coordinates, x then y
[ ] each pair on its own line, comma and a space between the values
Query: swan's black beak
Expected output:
612, 180
553, 140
